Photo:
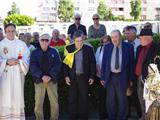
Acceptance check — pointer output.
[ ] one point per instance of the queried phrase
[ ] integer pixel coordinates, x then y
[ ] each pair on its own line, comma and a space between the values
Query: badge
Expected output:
5, 50
52, 55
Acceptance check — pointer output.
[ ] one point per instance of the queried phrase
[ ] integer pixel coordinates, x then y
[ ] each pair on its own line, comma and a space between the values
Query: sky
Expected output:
27, 7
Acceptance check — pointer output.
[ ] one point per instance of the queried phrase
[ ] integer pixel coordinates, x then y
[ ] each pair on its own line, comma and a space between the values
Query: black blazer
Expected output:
152, 53
89, 63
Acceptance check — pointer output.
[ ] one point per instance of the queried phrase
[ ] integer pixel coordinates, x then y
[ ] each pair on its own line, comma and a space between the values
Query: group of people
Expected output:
118, 67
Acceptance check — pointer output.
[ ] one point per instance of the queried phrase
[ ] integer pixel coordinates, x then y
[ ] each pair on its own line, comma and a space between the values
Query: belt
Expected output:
115, 73
79, 74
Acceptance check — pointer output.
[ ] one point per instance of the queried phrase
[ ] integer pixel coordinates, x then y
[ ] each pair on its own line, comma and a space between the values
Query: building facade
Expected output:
48, 9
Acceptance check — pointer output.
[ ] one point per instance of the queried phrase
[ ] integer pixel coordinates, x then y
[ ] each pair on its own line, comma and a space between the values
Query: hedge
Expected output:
63, 88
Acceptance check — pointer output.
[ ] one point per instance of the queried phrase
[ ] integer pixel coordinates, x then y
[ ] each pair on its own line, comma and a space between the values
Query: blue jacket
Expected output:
127, 71
36, 64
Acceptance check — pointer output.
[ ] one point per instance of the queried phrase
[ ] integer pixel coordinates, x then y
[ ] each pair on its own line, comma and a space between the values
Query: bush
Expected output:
19, 20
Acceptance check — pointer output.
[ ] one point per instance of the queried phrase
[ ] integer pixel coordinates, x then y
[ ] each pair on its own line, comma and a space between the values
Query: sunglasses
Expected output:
77, 18
44, 40
95, 18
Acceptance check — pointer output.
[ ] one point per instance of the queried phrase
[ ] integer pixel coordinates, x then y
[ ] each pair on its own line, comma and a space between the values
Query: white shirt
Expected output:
135, 44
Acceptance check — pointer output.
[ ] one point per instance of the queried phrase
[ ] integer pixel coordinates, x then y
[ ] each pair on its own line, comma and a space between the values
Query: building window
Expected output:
143, 17
114, 1
120, 1
158, 9
157, 17
76, 8
91, 9
144, 9
52, 14
121, 9
114, 9
91, 1
46, 8
144, 1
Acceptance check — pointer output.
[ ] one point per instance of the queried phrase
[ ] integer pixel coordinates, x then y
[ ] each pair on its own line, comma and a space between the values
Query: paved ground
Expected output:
92, 116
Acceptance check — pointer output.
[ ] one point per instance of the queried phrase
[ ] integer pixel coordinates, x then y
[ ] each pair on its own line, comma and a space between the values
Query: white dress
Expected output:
12, 79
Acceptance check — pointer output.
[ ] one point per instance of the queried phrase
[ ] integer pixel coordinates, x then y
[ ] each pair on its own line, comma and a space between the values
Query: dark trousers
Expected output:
116, 99
78, 99
133, 101
140, 88
102, 100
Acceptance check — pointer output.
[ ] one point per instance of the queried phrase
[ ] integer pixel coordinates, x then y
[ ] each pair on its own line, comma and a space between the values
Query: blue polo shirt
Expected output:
72, 28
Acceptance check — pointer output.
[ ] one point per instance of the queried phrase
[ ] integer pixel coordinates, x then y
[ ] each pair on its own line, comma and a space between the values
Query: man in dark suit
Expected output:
146, 54
79, 76
117, 74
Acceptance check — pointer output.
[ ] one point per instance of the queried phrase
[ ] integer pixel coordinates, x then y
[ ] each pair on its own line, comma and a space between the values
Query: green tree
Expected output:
136, 9
14, 9
102, 9
19, 20
65, 10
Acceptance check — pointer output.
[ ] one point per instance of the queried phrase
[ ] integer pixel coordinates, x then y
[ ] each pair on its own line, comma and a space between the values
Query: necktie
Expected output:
117, 58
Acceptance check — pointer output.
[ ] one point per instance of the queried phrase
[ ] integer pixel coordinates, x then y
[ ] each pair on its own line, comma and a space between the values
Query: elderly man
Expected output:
45, 66
27, 40
145, 55
56, 41
116, 75
76, 26
131, 35
36, 39
79, 76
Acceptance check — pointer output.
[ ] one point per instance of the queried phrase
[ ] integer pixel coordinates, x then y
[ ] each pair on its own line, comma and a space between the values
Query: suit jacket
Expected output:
152, 52
126, 73
36, 64
89, 63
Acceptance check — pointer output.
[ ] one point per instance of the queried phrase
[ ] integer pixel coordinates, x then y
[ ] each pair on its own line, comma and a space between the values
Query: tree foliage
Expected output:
136, 9
14, 9
65, 10
19, 20
102, 9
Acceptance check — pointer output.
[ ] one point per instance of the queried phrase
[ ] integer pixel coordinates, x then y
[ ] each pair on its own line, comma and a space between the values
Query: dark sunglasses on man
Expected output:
95, 18
44, 40
77, 18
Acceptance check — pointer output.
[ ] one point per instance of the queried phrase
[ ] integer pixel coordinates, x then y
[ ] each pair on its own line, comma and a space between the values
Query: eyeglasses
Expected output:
77, 18
95, 18
44, 40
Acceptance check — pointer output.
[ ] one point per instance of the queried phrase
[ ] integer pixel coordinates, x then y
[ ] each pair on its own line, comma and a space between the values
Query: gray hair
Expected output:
55, 30
95, 15
27, 34
116, 31
46, 34
77, 15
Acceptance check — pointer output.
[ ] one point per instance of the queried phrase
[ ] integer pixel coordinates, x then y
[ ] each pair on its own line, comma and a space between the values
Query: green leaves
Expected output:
19, 20
102, 9
136, 9
65, 10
